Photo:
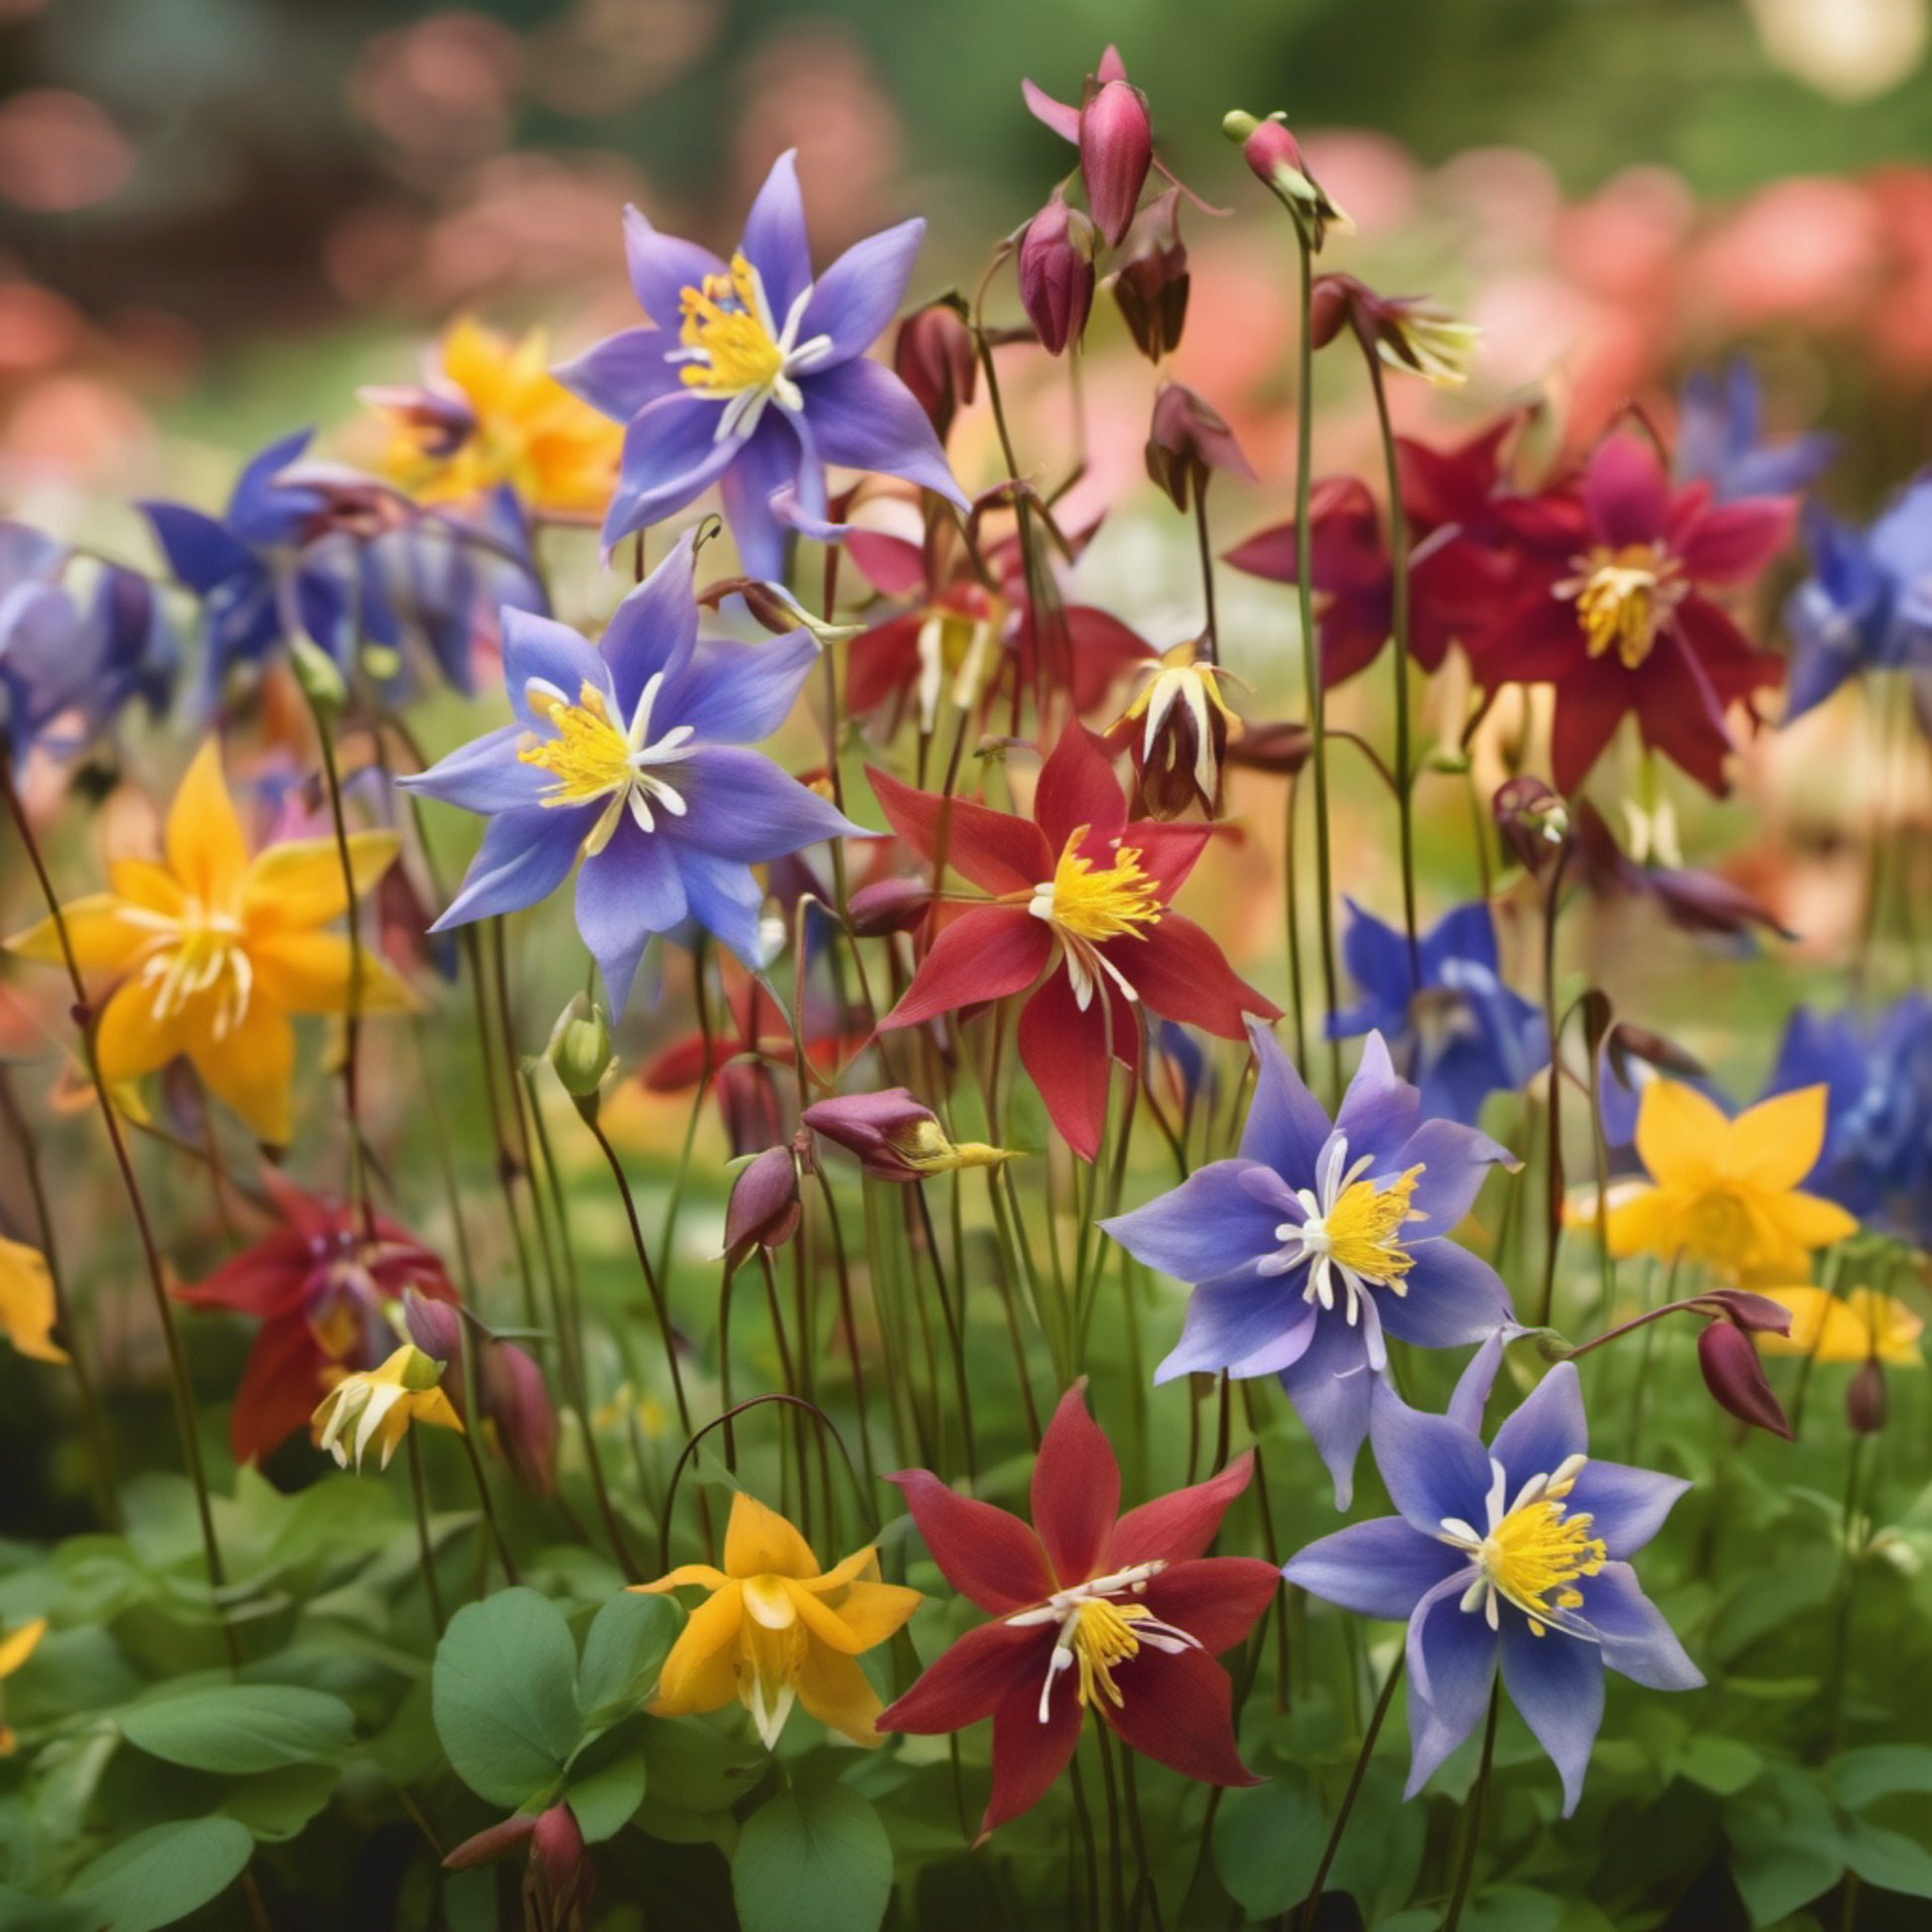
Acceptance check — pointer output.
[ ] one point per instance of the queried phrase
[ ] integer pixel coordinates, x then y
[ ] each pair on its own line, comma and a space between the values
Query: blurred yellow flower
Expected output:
15, 1651
774, 1630
26, 1306
217, 949
493, 415
377, 1405
1850, 1327
1724, 1191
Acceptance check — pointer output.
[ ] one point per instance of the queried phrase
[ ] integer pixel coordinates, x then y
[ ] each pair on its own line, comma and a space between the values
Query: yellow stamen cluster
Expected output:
1365, 1225
1103, 1636
1621, 599
1537, 1552
201, 954
723, 322
590, 756
1108, 902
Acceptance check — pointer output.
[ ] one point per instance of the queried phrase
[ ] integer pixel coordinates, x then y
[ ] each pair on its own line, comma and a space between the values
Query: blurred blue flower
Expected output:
764, 381
1514, 1553
1301, 1252
1462, 1033
628, 752
1718, 440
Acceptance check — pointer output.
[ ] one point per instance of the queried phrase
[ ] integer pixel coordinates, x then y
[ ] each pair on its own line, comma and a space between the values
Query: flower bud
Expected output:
434, 1327
774, 608
558, 1882
1187, 442
896, 1138
516, 1401
934, 356
580, 1051
1864, 1397
1274, 157
889, 906
763, 1208
497, 1842
320, 677
1177, 730
1736, 1378
1532, 821
1056, 273
1281, 748
1756, 1312
1151, 286
1407, 331
438, 424
1116, 151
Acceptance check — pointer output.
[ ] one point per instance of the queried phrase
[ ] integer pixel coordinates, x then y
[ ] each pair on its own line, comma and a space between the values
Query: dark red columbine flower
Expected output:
1610, 607
1079, 911
329, 1297
1126, 1613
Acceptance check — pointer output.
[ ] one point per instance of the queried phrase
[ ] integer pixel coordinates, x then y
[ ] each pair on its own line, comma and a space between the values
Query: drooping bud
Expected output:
1187, 441
1531, 820
934, 356
889, 906
434, 1327
1151, 285
764, 1209
1864, 1397
517, 1403
1274, 157
1736, 1380
896, 1138
579, 1051
1056, 273
1177, 732
1281, 747
559, 1881
495, 1843
774, 608
1407, 331
1757, 1314
319, 675
1116, 151
437, 423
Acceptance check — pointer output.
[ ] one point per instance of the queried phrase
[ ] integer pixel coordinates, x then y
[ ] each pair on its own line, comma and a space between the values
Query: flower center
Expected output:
1361, 1231
738, 352
1097, 1633
1717, 1228
1352, 1229
1533, 1553
1086, 905
1103, 1636
592, 758
201, 953
1622, 597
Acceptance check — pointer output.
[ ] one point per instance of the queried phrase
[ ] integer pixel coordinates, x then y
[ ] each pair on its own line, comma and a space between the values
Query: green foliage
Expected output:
813, 1861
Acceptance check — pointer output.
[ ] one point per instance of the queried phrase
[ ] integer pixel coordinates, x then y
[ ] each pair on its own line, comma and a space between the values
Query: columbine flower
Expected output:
15, 1651
1724, 1191
26, 1306
1122, 1614
1406, 332
775, 1630
490, 413
1315, 1239
1460, 1034
628, 752
1176, 733
1719, 440
766, 381
1080, 896
896, 1138
328, 1292
217, 949
1515, 1552
1853, 1327
375, 1406
1115, 135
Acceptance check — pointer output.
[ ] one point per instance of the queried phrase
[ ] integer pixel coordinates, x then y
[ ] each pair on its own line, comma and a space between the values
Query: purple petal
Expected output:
1626, 1506
671, 454
1452, 1665
1244, 1322
1377, 958
1547, 1430
1557, 1683
1207, 1226
1467, 934
1433, 1469
725, 900
261, 511
199, 551
624, 894
524, 857
1454, 1299
621, 375
540, 649
1636, 1639
1331, 1388
1285, 1127
774, 237
741, 806
860, 293
484, 775
1471, 1396
663, 267
1381, 1111
1380, 1568
655, 628
866, 418
738, 694
772, 459
1454, 1162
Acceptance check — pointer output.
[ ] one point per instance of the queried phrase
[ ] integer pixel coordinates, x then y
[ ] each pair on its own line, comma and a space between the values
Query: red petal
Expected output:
1625, 493
1179, 1526
1076, 1490
1590, 707
894, 566
1732, 544
1169, 853
985, 1554
1065, 1052
1077, 787
1179, 1711
266, 1280
982, 955
307, 1215
1103, 648
279, 1389
880, 663
966, 1683
1029, 1756
997, 852
1217, 1600
1181, 973
1679, 714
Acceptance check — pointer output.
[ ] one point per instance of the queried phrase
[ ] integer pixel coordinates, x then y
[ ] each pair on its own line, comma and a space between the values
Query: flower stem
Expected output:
1473, 1813
1553, 1195
1311, 1905
425, 1554
1210, 633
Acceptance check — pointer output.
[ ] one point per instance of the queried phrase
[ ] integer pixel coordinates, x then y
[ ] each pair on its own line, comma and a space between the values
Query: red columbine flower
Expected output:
329, 1297
1079, 905
1126, 1615
1611, 611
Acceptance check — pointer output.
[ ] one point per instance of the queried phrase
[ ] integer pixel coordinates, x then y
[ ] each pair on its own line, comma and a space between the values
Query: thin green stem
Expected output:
1311, 1905
1473, 1813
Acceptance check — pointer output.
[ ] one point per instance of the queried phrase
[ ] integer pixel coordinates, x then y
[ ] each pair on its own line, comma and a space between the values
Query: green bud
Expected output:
319, 675
1238, 124
580, 1049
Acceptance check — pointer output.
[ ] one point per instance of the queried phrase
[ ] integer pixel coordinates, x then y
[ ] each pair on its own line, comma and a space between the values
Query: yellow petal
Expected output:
143, 884
834, 1690
1804, 1222
16, 1649
1679, 1134
1776, 1142
27, 1309
685, 1573
131, 1040
758, 1542
1821, 1325
251, 1066
868, 1615
102, 937
309, 972
205, 849
700, 1674
1647, 1223
474, 358
298, 883
861, 1565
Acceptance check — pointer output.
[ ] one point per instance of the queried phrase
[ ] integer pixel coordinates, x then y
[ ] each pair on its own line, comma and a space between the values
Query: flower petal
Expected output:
279, 1389
133, 1038
739, 694
1636, 1639
1078, 789
1454, 1297
313, 972
859, 295
1775, 1143
1547, 1430
700, 1674
1075, 1492
298, 882
987, 1555
1285, 1127
1331, 1386
983, 954
1178, 1710
1382, 1569
525, 856
251, 1066
863, 417
1205, 1228
1179, 1527
1246, 1324
1626, 494
1381, 1111
725, 899
1451, 1656
1435, 1468
758, 1542
540, 651
1626, 1506
654, 630
774, 236
205, 850
629, 890
1217, 1600
773, 458
1180, 973
742, 807
1070, 1055
662, 268
966, 1682
621, 375
1557, 1683
1029, 1756
671, 454
997, 852
1680, 1134
484, 775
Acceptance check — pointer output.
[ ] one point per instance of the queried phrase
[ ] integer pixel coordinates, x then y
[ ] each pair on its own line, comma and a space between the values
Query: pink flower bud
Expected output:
763, 1208
1116, 151
1756, 1312
1274, 156
497, 1842
895, 1137
1864, 1397
558, 1882
1188, 440
1056, 273
517, 1400
1736, 1378
1152, 285
891, 905
934, 356
1281, 747
437, 1330
1532, 821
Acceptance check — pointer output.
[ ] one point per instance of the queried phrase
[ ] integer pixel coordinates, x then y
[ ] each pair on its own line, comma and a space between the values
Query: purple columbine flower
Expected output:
628, 751
751, 375
1515, 1552
1315, 1239
1721, 439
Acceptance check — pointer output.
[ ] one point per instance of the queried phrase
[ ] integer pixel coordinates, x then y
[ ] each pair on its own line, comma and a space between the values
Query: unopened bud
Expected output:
1281, 747
1152, 285
1274, 157
436, 1328
1736, 1378
1177, 730
774, 608
496, 1843
516, 1398
1116, 151
319, 676
1864, 1397
897, 1138
1531, 820
1407, 331
889, 906
934, 356
1056, 273
1757, 1314
1187, 442
763, 1208
580, 1051
558, 1880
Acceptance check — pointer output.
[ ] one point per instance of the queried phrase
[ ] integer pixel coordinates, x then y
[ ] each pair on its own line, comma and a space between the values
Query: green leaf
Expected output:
1888, 1860
162, 1874
1720, 1764
606, 1782
21, 1912
240, 1727
1783, 1856
505, 1695
813, 1862
276, 1805
1268, 1841
1514, 1908
628, 1640
1862, 1777
697, 1768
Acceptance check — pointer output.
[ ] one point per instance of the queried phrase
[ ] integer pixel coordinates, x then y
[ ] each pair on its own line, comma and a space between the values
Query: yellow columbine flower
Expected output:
497, 416
15, 1651
1846, 1329
217, 949
27, 1302
377, 1406
775, 1629
1726, 1191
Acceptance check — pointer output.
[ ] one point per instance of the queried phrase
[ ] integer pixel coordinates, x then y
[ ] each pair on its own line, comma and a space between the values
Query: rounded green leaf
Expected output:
240, 1727
628, 1640
813, 1862
504, 1692
163, 1873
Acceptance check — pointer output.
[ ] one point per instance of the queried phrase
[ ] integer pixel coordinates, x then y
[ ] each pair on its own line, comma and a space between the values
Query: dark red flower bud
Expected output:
1531, 820
1056, 273
1116, 151
1756, 1312
934, 356
1864, 1397
1736, 1378
763, 1208
891, 905
1274, 156
1152, 285
896, 1137
516, 1401
496, 1843
558, 1882
1407, 331
1281, 747
441, 424
1187, 441
434, 1327
1630, 1045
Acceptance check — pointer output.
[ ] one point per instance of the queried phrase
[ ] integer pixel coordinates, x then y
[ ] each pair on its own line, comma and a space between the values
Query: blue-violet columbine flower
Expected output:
1514, 1553
1315, 1239
628, 751
751, 375
1721, 439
